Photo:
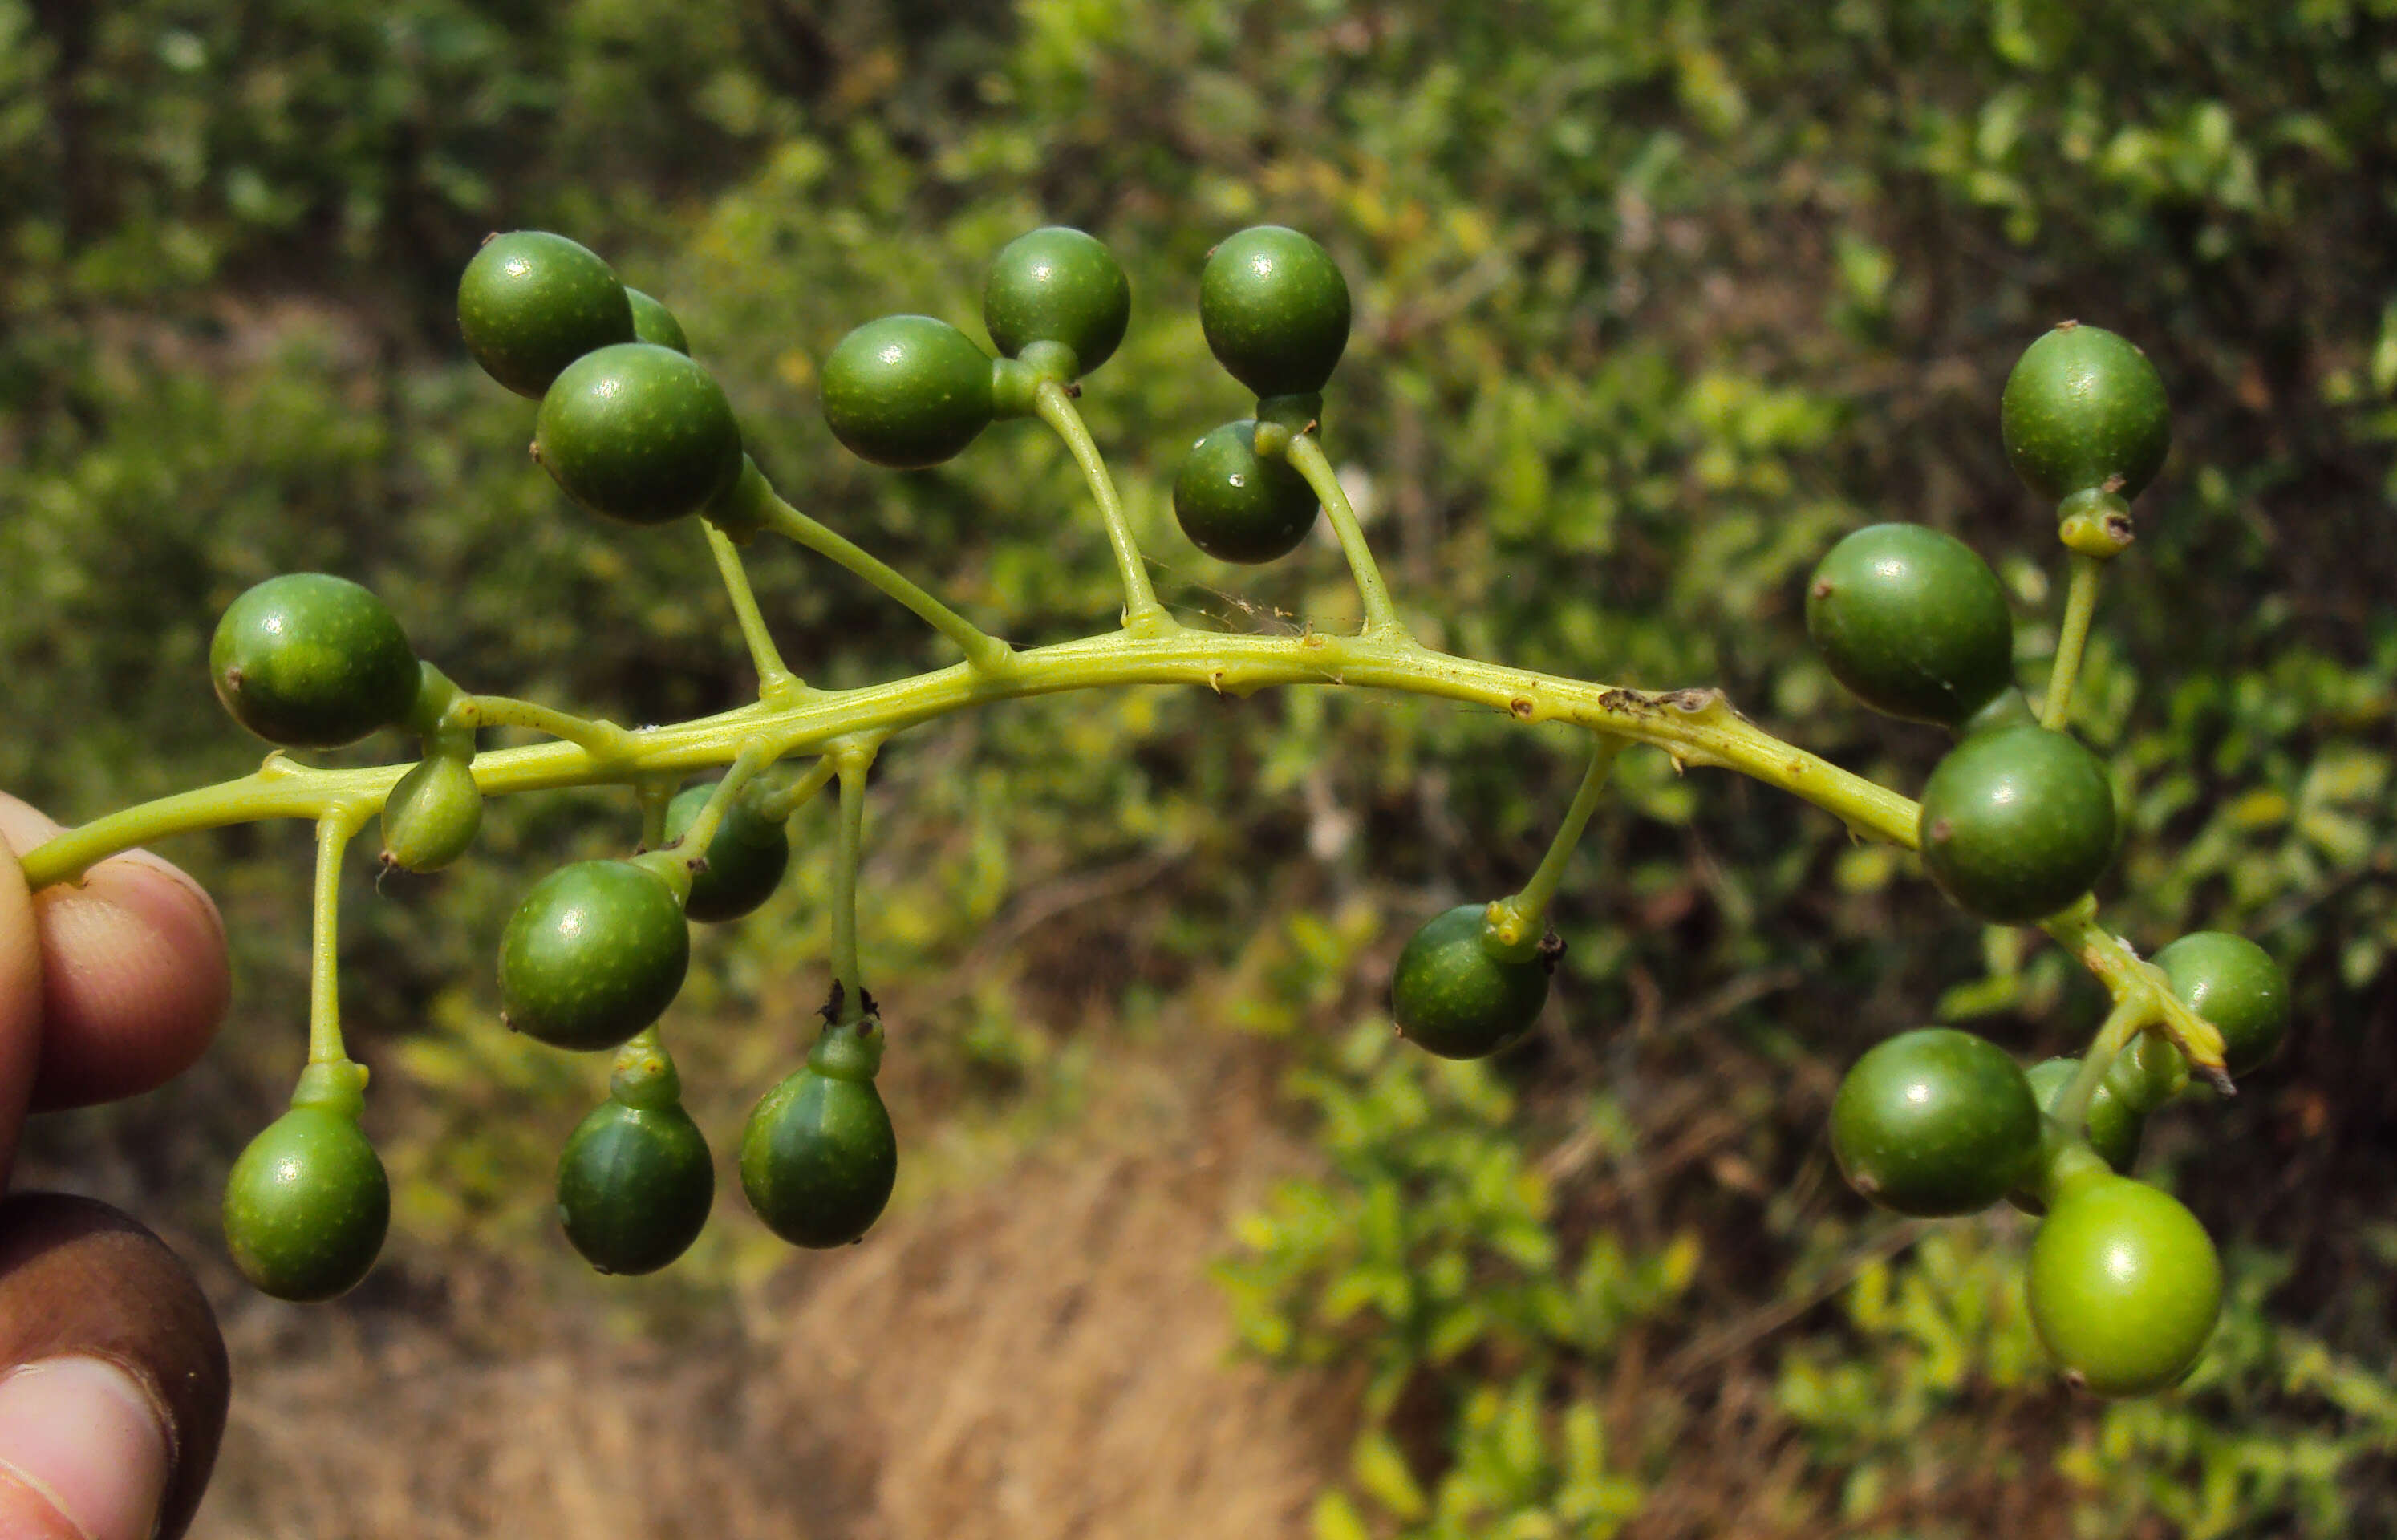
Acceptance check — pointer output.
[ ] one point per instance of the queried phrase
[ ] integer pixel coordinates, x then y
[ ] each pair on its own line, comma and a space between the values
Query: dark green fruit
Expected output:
1935, 1122
2112, 1131
2124, 1286
906, 391
1452, 994
2018, 822
745, 861
2085, 409
1237, 505
433, 814
307, 1203
531, 303
1913, 621
1056, 285
1275, 309
311, 660
639, 433
654, 323
818, 1158
634, 1187
594, 953
2234, 983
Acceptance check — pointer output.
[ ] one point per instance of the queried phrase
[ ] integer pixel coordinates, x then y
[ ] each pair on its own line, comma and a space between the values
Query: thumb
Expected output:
112, 1376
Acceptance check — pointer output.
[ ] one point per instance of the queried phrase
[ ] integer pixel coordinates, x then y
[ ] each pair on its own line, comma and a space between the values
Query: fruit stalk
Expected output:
1307, 457
775, 682
2079, 608
333, 832
846, 976
751, 758
2122, 1024
1143, 614
986, 653
602, 741
1517, 922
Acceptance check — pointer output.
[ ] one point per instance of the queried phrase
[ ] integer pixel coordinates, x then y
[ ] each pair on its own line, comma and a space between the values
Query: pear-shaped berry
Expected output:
1913, 621
1057, 285
2018, 822
2235, 985
2084, 410
639, 433
432, 816
531, 303
1935, 1122
907, 392
654, 323
594, 953
818, 1158
1275, 309
1236, 505
307, 1203
635, 1183
307, 659
1454, 995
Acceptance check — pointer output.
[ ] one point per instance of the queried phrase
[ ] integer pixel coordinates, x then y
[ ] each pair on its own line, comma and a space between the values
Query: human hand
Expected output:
113, 1374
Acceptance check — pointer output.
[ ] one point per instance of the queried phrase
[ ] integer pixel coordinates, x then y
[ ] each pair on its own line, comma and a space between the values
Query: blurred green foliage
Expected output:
1654, 298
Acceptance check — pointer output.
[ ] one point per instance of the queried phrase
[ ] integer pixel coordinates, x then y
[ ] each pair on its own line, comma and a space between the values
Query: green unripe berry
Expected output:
818, 1158
2112, 1130
2124, 1287
1238, 505
635, 1185
639, 433
307, 1203
745, 861
1275, 309
311, 660
432, 816
1453, 996
907, 392
654, 323
1913, 621
1935, 1122
2084, 410
2235, 985
2018, 822
531, 303
594, 953
1057, 285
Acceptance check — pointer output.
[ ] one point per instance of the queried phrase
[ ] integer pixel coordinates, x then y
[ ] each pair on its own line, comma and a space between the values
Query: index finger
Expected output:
132, 977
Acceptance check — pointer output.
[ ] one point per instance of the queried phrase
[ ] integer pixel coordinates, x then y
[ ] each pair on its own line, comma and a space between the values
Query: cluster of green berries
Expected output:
2018, 820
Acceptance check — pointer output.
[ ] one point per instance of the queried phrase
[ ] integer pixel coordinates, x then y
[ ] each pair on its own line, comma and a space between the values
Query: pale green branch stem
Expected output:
1143, 615
776, 684
2079, 608
751, 758
853, 767
334, 829
1307, 457
602, 741
986, 653
1518, 921
777, 806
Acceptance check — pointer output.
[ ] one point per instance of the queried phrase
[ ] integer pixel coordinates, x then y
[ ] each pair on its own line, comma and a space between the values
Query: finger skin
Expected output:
133, 974
79, 1279
20, 1007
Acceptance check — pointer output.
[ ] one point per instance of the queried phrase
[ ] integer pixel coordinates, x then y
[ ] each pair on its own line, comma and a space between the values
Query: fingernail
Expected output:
79, 1434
